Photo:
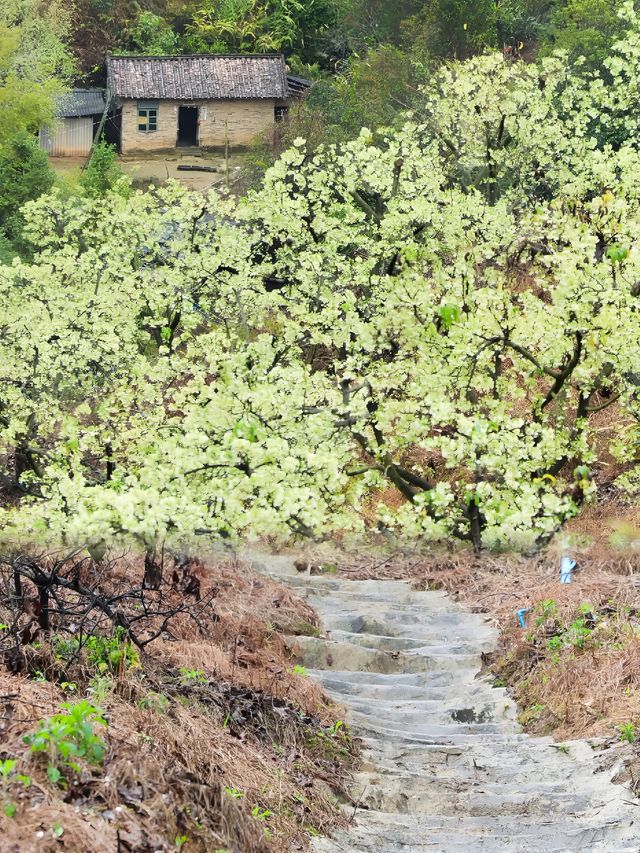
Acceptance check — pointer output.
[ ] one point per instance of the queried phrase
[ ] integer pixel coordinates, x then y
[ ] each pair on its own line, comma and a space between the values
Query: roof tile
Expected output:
201, 76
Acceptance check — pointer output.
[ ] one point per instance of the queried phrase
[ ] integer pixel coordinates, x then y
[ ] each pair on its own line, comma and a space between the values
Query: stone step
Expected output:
445, 766
452, 689
318, 653
450, 624
410, 645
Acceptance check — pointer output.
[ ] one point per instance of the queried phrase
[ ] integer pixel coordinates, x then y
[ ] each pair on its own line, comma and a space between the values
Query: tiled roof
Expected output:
201, 76
298, 86
80, 102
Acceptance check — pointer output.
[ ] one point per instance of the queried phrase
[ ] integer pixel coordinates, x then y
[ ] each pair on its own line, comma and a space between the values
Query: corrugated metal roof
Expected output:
201, 76
80, 102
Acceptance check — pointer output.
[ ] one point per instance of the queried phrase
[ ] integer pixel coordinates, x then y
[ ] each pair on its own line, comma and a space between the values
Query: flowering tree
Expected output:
444, 310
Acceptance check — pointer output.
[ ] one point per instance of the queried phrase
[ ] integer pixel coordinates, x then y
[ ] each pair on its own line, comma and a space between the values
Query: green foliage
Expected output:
332, 741
547, 609
68, 738
586, 29
628, 732
453, 28
105, 654
41, 32
442, 307
576, 635
24, 175
157, 702
370, 93
234, 793
103, 172
33, 68
99, 689
260, 813
9, 775
152, 35
191, 677
244, 26
520, 23
112, 653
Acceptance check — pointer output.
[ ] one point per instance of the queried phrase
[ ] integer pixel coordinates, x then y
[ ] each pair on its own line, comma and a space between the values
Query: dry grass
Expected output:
212, 706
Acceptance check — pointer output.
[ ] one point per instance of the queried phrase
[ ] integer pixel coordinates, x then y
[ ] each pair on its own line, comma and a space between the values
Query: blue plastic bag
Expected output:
566, 568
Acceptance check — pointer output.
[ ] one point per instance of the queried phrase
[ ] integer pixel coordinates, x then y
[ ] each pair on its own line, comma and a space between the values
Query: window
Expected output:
147, 116
281, 113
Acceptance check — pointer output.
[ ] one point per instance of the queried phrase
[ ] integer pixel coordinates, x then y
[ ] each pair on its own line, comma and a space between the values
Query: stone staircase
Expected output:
446, 767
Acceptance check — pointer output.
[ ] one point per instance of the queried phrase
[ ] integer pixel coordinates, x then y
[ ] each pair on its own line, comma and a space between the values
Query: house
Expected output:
199, 100
77, 115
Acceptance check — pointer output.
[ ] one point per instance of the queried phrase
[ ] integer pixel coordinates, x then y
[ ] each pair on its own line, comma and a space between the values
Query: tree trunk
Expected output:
152, 571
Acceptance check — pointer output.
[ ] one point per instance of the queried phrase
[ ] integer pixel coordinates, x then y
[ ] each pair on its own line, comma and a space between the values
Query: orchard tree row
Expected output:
439, 314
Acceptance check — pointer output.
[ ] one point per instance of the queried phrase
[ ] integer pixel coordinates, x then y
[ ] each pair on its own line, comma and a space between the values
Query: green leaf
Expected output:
449, 314
53, 774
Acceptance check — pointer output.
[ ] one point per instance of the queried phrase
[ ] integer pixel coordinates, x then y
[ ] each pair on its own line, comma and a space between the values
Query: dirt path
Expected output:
446, 766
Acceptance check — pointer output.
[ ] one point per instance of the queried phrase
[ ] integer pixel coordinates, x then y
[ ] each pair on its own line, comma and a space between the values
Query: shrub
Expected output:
103, 172
69, 737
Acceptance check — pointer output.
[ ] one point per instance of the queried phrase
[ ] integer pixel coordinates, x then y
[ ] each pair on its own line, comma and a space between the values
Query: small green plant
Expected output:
103, 172
333, 740
260, 813
99, 688
181, 840
191, 677
547, 609
628, 732
530, 715
143, 737
300, 670
104, 653
8, 775
110, 653
57, 829
234, 793
66, 648
69, 686
157, 702
579, 633
69, 737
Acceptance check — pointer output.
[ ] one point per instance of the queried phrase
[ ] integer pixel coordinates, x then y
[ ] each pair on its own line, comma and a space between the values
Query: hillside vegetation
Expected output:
419, 325
445, 309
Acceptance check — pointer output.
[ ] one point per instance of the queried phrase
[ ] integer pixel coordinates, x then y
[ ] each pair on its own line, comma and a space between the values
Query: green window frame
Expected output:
147, 116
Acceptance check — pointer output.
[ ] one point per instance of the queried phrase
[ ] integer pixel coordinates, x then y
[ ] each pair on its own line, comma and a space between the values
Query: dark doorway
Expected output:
188, 126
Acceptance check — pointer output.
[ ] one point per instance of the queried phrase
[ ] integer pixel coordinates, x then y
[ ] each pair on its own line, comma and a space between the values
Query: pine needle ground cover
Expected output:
208, 738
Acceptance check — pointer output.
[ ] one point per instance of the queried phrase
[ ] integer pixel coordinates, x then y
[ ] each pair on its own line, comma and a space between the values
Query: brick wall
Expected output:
245, 120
